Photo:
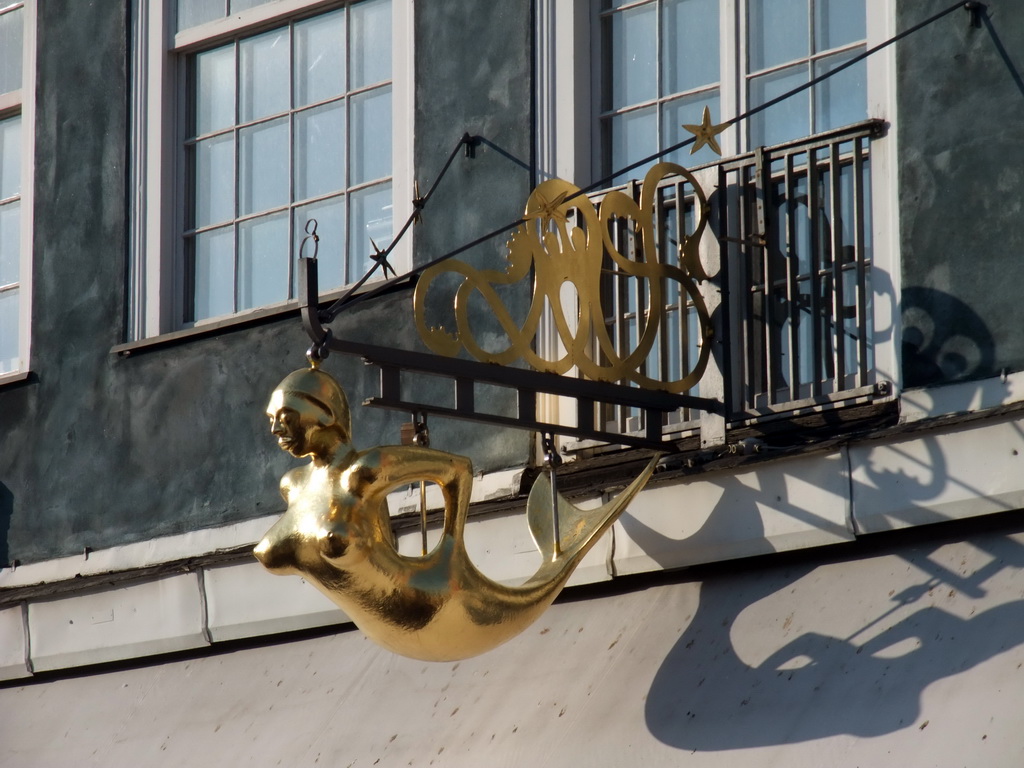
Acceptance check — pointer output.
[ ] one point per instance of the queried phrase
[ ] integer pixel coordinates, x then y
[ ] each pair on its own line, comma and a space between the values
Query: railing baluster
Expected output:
792, 283
838, 316
813, 206
864, 377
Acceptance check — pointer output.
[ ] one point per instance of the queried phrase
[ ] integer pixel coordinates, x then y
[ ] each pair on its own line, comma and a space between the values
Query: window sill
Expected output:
223, 325
16, 377
241, 321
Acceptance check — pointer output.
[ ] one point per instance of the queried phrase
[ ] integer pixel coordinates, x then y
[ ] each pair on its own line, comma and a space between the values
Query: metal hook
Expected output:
310, 235
318, 351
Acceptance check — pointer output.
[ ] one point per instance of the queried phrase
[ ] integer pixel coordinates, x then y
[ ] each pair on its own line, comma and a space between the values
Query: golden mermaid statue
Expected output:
336, 533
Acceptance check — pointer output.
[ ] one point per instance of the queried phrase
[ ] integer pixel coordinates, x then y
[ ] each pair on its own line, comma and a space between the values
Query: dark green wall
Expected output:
961, 173
98, 450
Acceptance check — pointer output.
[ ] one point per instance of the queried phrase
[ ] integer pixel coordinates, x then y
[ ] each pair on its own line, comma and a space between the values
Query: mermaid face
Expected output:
295, 422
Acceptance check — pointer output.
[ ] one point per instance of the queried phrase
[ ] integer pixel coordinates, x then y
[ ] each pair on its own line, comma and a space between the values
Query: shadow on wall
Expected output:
806, 651
6, 513
709, 696
944, 340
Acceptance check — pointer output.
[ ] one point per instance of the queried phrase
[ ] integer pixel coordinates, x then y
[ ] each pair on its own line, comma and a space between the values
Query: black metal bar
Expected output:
390, 382
465, 399
521, 378
613, 438
309, 301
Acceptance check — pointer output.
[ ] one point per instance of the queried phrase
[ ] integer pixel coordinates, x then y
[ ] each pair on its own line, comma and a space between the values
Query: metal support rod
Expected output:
422, 439
552, 460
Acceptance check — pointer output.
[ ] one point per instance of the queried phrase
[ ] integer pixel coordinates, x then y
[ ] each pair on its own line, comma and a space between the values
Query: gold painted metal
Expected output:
565, 239
706, 133
336, 533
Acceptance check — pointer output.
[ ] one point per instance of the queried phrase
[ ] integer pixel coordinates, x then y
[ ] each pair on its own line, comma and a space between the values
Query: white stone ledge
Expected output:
818, 499
13, 652
154, 617
770, 507
976, 469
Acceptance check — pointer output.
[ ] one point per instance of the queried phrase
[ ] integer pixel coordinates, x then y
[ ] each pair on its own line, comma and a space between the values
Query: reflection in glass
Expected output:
10, 157
215, 180
690, 42
244, 5
371, 213
330, 220
214, 288
842, 98
10, 243
371, 135
370, 42
215, 89
263, 261
838, 22
11, 34
634, 135
631, 42
192, 13
319, 58
320, 150
777, 31
263, 74
786, 120
9, 331
263, 175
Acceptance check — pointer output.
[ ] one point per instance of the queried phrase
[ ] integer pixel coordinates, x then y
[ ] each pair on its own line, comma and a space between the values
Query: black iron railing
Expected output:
792, 252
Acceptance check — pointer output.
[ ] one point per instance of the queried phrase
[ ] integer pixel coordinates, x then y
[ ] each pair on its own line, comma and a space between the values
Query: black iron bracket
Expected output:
528, 384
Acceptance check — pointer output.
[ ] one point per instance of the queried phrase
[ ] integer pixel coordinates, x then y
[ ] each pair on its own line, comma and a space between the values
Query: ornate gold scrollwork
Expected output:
565, 239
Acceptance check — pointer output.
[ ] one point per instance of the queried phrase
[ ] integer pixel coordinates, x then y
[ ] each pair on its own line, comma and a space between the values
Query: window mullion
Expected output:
291, 158
237, 174
347, 273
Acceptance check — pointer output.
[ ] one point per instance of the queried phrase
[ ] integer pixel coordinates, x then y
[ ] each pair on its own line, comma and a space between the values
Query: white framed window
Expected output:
619, 78
663, 61
251, 118
17, 67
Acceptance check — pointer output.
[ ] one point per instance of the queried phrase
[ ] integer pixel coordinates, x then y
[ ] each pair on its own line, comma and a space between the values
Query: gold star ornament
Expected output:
706, 133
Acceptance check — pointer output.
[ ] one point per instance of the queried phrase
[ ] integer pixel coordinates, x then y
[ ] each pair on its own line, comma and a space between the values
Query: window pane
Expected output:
244, 5
634, 135
215, 180
263, 261
9, 331
842, 99
264, 75
370, 150
631, 46
777, 31
263, 175
215, 89
371, 218
10, 243
319, 58
214, 273
838, 22
370, 42
786, 120
689, 110
320, 151
10, 157
11, 33
690, 56
330, 228
192, 13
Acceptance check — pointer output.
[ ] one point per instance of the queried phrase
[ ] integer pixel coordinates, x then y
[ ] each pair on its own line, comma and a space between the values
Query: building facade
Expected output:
823, 570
